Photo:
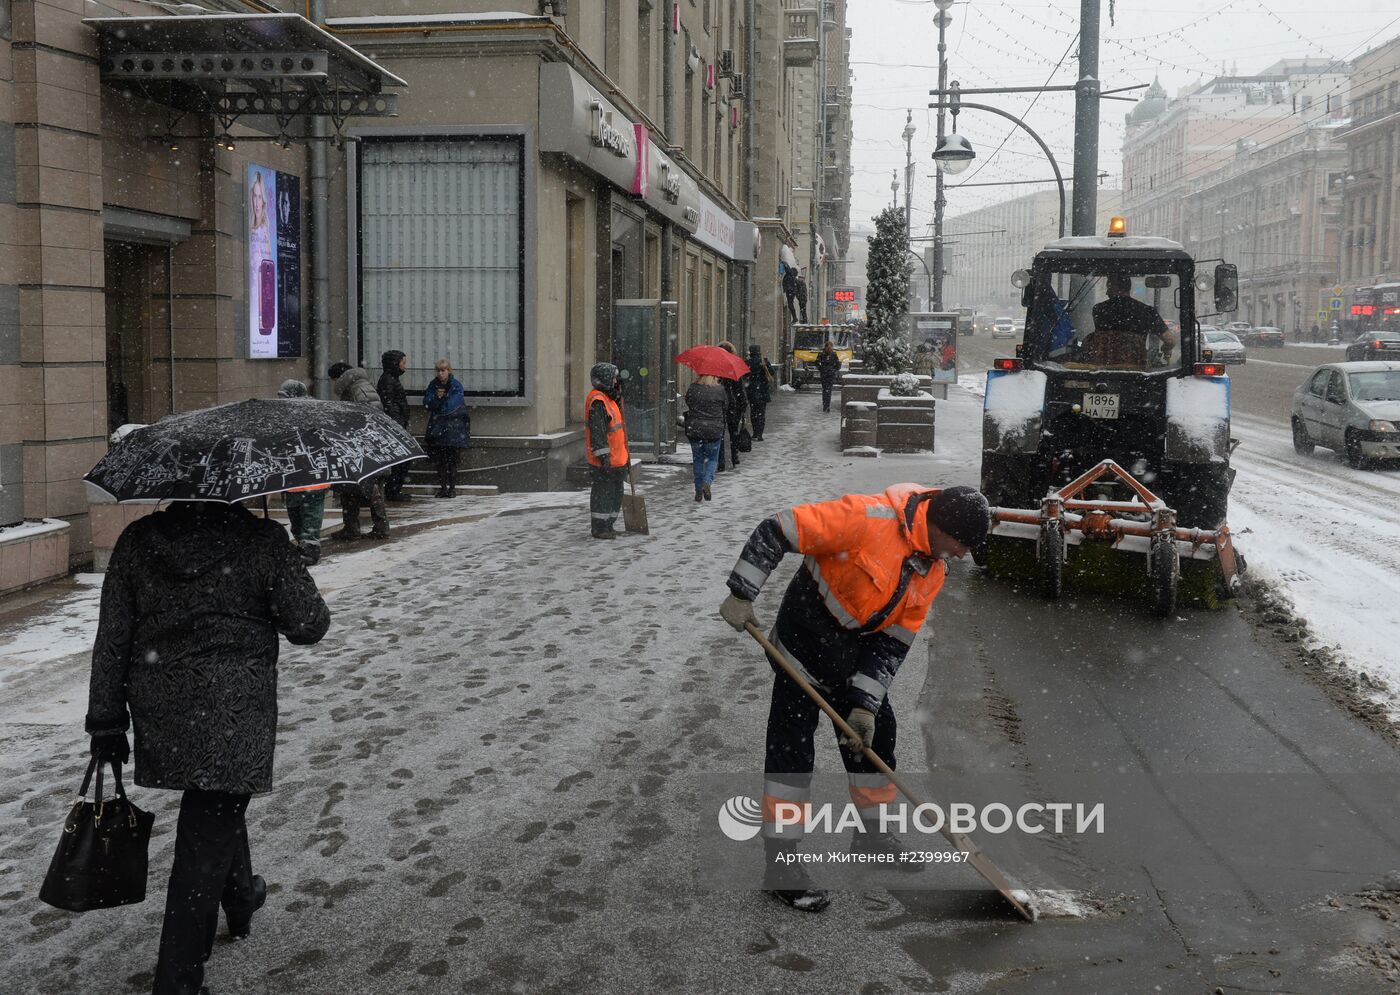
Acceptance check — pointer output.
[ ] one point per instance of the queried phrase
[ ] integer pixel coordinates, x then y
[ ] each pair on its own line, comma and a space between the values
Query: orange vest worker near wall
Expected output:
873, 565
606, 438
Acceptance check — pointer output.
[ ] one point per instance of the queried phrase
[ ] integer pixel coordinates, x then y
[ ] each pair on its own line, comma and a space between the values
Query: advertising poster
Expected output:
288, 265
274, 264
935, 342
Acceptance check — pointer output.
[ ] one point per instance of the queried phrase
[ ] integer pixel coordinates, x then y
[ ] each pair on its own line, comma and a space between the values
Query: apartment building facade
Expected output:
1367, 190
1170, 144
500, 188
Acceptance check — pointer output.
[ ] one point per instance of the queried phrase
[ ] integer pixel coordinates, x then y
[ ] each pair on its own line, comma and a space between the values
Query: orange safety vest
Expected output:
871, 562
617, 431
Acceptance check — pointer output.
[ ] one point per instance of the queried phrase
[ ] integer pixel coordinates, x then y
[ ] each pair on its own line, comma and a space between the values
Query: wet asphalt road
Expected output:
487, 778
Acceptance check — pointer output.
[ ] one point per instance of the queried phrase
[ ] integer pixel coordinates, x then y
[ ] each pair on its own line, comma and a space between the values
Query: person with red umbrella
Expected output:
723, 362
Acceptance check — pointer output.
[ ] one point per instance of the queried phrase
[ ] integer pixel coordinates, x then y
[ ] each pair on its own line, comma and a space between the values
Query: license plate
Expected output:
1101, 405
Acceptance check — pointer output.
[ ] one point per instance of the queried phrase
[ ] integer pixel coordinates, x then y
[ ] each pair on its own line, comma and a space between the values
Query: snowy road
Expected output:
487, 773
1328, 535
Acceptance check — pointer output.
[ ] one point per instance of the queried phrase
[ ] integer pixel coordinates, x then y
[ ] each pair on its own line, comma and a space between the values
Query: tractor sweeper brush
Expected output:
1089, 544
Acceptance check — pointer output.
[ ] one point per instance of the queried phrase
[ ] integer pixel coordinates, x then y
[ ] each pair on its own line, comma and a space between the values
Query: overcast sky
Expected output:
894, 54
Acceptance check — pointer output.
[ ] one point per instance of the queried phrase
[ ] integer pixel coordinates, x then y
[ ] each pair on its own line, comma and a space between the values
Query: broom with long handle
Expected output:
979, 861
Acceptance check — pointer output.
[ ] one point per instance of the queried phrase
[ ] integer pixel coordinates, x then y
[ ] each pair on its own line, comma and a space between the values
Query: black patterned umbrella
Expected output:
251, 448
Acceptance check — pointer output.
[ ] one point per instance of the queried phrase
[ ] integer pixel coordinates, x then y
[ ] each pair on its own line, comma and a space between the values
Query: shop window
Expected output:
441, 236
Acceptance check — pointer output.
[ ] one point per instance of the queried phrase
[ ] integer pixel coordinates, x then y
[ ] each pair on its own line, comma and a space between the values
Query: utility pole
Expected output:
1086, 123
894, 188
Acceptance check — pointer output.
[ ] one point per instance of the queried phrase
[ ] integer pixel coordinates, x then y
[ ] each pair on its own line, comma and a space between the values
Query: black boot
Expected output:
240, 921
787, 880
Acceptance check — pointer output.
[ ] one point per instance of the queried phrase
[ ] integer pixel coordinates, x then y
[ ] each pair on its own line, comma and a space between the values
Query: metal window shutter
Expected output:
440, 258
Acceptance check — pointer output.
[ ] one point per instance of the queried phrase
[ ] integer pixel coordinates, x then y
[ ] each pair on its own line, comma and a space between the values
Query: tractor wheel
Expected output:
1303, 444
1355, 458
1050, 559
1163, 575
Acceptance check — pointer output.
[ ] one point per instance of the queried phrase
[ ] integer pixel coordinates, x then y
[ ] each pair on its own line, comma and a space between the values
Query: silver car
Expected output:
1004, 328
1352, 409
1221, 347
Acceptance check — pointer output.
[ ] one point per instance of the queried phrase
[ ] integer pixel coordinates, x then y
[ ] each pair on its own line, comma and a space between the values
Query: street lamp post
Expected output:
908, 136
942, 19
955, 152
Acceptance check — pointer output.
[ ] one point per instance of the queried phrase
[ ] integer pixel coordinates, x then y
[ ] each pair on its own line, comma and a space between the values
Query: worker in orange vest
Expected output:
874, 563
606, 440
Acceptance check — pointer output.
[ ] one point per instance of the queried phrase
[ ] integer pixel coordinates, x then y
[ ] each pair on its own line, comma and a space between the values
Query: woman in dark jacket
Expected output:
395, 401
705, 402
760, 389
736, 406
192, 604
449, 426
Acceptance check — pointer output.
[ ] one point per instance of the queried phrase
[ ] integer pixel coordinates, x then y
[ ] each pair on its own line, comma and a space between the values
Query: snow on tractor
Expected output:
1106, 442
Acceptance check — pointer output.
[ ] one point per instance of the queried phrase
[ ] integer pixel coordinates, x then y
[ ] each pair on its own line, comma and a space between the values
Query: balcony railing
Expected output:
800, 41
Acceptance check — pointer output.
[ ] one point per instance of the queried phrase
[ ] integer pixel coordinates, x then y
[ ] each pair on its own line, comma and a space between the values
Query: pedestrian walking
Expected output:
735, 408
760, 389
828, 368
395, 401
1314, 333
705, 402
449, 426
352, 384
306, 506
874, 564
186, 656
606, 441
802, 293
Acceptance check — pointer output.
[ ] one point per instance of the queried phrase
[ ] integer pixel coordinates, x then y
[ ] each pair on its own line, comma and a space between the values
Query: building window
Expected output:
441, 242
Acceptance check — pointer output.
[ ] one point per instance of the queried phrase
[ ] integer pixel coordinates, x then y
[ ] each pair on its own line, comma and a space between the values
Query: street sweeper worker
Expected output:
606, 439
873, 565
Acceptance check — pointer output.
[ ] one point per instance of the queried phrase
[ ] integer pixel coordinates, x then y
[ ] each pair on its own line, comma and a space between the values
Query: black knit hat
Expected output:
963, 513
337, 370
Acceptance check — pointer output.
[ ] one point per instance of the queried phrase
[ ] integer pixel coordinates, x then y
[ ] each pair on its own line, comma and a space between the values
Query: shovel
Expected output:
979, 861
634, 508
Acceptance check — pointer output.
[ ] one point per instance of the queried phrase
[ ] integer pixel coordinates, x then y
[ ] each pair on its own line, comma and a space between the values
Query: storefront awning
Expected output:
232, 65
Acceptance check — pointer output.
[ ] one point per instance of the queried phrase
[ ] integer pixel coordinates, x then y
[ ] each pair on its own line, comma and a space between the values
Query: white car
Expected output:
1219, 346
1352, 409
1004, 328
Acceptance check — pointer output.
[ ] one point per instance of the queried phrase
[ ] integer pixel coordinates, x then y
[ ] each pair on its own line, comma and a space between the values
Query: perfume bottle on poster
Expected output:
267, 297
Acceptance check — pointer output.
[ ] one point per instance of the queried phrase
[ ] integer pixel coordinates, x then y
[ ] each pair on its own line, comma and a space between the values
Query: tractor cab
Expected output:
1108, 371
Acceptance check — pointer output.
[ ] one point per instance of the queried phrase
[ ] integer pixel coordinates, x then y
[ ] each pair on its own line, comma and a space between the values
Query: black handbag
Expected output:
101, 858
743, 441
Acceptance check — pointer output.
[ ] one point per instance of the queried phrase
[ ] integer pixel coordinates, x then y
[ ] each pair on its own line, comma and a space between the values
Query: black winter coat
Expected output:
758, 381
828, 366
704, 412
736, 402
192, 604
390, 389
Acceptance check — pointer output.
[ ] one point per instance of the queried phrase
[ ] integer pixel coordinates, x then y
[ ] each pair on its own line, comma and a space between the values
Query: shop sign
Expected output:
607, 136
579, 122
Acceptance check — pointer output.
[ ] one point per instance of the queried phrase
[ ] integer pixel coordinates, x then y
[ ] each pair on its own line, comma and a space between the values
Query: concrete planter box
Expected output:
859, 423
867, 387
904, 424
33, 552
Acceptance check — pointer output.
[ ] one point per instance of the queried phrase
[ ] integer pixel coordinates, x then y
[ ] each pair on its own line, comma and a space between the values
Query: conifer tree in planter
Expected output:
885, 346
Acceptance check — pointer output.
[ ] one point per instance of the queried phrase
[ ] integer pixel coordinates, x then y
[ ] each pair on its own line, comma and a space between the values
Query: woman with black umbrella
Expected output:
186, 654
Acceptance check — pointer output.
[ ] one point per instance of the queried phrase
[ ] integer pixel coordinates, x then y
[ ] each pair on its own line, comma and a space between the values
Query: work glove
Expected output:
737, 612
111, 747
862, 722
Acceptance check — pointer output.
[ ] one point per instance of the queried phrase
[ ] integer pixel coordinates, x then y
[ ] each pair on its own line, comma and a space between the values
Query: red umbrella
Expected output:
712, 361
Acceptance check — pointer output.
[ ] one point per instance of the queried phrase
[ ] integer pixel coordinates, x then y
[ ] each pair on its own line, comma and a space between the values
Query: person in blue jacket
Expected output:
449, 426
